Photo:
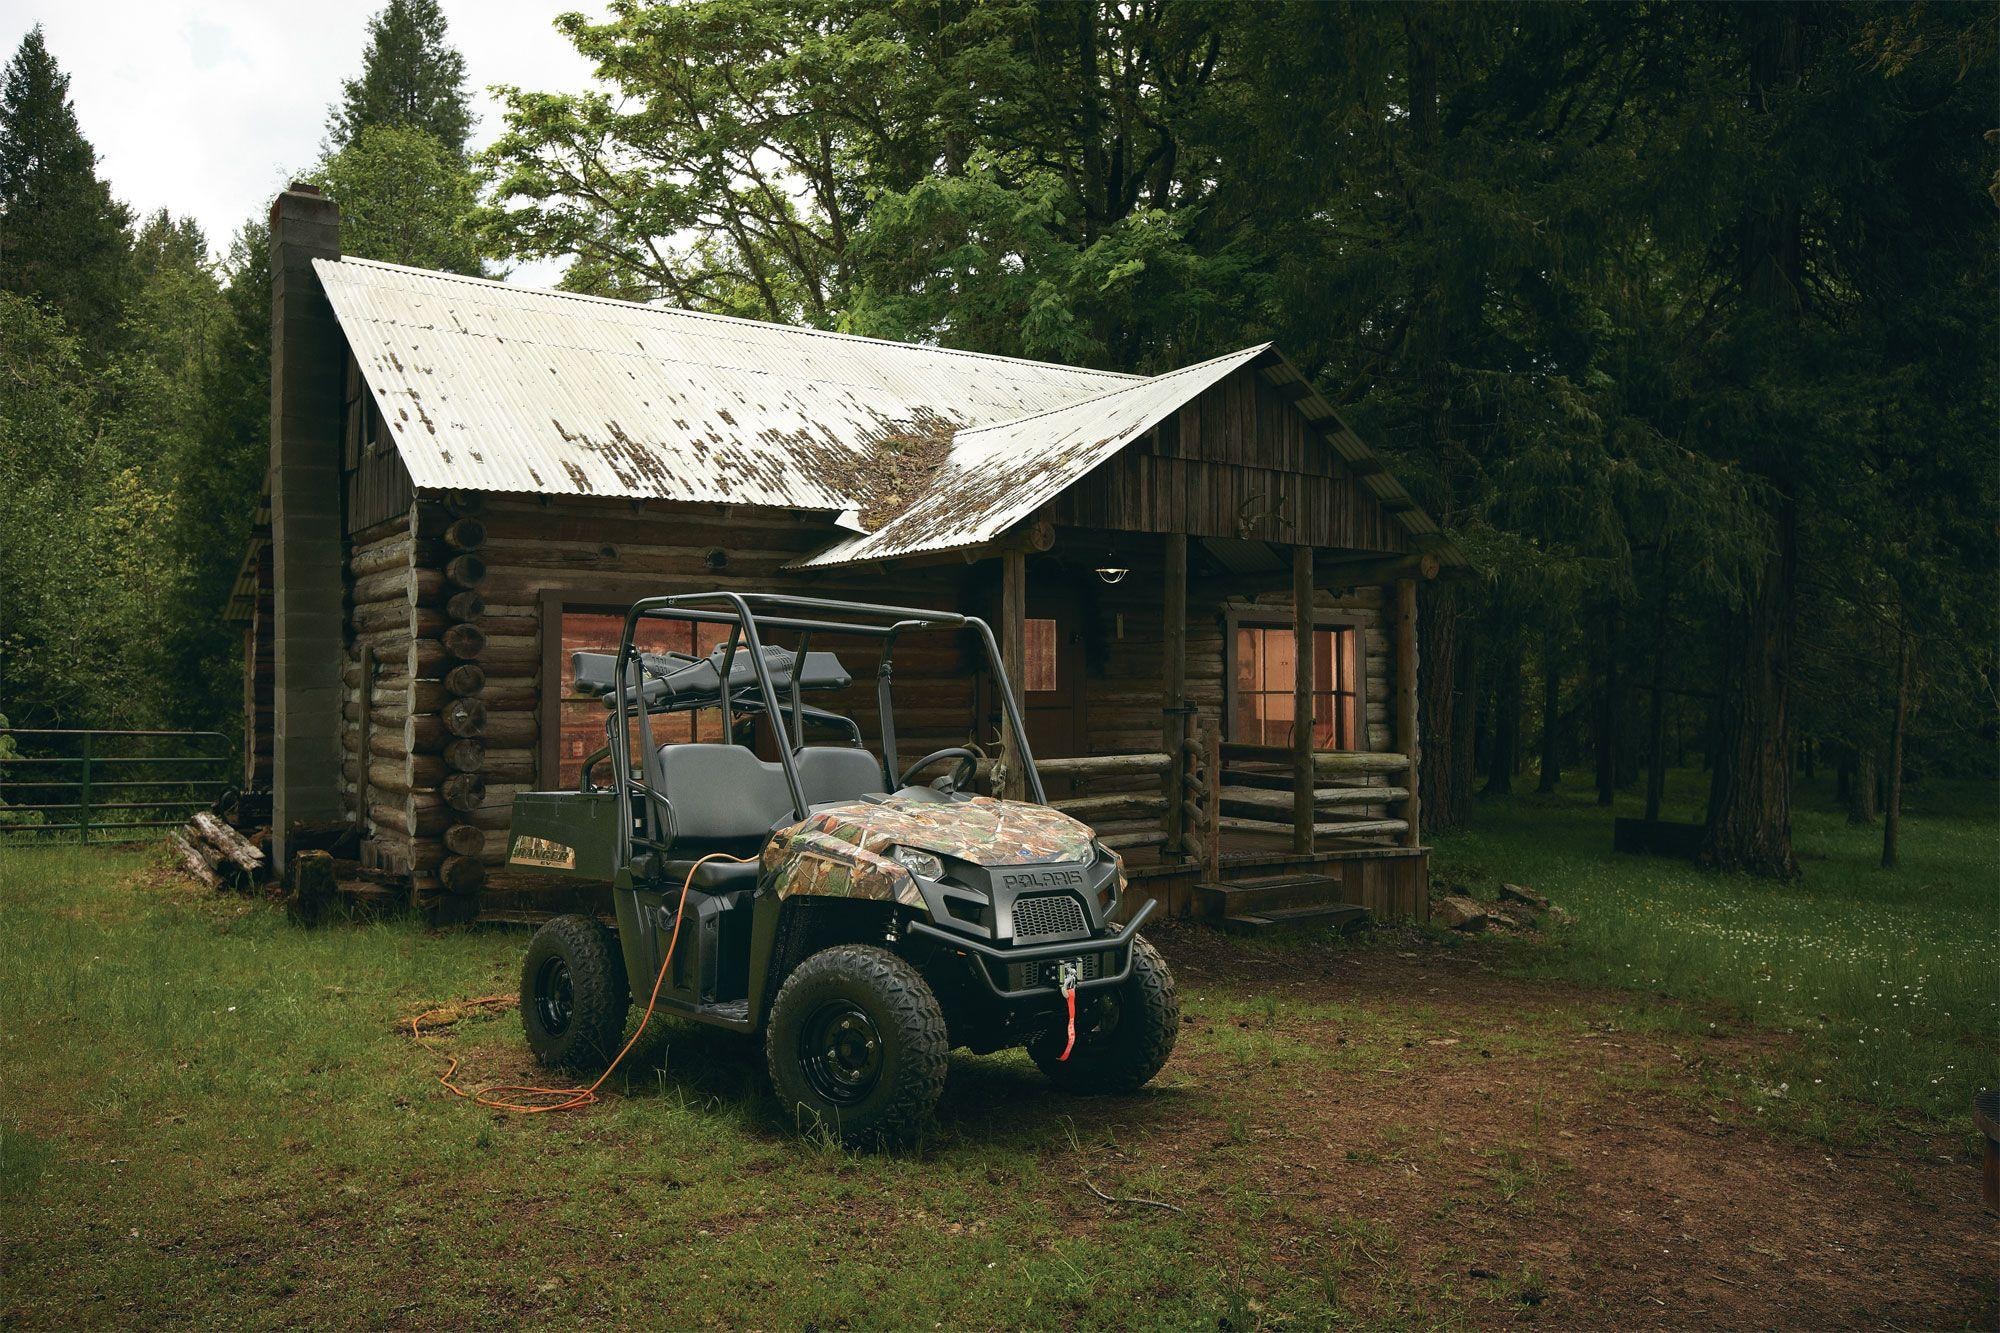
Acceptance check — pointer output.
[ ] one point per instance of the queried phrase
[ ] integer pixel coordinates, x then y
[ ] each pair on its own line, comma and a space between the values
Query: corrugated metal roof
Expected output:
489, 387
997, 475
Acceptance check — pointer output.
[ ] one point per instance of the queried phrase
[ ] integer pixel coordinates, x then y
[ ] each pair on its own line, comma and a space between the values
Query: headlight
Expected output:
919, 863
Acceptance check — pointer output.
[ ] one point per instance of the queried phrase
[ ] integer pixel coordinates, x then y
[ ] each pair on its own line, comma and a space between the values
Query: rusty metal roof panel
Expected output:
996, 475
489, 387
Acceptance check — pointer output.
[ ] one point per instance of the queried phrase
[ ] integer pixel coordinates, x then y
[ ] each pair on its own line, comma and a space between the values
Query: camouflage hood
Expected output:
844, 852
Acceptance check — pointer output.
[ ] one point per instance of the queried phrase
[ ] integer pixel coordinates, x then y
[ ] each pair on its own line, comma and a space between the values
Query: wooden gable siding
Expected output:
1238, 461
377, 482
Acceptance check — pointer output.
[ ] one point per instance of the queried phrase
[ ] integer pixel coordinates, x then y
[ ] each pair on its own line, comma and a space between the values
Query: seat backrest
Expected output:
837, 773
722, 792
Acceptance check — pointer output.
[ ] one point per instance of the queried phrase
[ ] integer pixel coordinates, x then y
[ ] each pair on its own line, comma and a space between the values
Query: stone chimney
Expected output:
308, 373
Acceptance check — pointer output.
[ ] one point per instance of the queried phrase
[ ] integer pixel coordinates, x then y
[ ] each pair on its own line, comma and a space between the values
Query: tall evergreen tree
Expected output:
63, 238
411, 76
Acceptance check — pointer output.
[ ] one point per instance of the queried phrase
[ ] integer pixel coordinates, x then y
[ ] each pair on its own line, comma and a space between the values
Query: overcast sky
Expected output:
205, 107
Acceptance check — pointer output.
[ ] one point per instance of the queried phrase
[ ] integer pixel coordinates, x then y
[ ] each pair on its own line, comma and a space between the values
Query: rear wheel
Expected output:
574, 995
1123, 1035
857, 1044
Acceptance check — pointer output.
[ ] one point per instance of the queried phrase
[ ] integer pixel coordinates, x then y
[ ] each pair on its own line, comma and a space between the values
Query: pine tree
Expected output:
63, 237
411, 77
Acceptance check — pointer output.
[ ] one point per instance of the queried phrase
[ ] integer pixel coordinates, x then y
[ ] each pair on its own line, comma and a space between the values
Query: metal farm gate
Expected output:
107, 786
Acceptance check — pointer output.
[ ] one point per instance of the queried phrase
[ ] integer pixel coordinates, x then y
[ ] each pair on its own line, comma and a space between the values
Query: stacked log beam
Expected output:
445, 726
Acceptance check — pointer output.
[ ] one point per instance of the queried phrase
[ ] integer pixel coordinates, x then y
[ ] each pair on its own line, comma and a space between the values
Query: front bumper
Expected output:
1114, 953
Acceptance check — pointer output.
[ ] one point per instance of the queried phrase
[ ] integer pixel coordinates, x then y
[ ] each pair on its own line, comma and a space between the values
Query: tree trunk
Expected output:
1504, 753
1656, 718
1442, 784
1861, 789
1606, 729
1551, 777
1892, 810
1750, 797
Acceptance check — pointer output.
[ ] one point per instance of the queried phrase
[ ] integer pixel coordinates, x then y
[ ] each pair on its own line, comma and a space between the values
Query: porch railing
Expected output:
1353, 794
107, 785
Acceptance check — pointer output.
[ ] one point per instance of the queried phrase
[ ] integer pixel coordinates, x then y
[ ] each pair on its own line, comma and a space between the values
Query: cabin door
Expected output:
1052, 676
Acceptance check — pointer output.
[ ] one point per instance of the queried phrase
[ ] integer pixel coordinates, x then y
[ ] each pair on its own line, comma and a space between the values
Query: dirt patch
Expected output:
1503, 1143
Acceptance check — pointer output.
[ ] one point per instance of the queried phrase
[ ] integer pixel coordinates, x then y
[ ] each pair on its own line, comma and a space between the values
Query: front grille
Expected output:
1047, 914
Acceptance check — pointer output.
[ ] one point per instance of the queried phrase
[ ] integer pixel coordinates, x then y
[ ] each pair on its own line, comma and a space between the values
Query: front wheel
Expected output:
1124, 1034
857, 1044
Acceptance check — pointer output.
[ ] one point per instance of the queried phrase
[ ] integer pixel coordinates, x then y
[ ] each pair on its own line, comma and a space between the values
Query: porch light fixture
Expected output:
1112, 574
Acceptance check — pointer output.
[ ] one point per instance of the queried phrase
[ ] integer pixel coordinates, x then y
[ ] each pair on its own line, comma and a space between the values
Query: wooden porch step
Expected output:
1261, 894
1343, 917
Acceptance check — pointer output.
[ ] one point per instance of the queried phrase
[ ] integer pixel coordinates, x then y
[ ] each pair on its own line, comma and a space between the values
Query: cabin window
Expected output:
580, 726
1261, 685
1038, 656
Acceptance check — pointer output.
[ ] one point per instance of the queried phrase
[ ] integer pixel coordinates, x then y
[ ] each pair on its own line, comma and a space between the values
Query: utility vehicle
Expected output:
861, 923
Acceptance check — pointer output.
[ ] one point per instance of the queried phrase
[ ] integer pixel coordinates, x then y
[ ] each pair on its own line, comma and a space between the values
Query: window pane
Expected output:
1038, 665
1262, 673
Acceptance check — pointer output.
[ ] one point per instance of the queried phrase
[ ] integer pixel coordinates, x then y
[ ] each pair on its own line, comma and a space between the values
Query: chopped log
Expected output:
511, 696
1347, 829
467, 605
513, 625
312, 887
232, 846
394, 585
1341, 762
508, 730
465, 571
427, 659
465, 533
511, 657
464, 642
1088, 808
192, 862
516, 765
371, 616
398, 554
465, 678
465, 840
466, 755
1101, 765
392, 744
424, 772
462, 874
464, 717
464, 792
1119, 842
425, 823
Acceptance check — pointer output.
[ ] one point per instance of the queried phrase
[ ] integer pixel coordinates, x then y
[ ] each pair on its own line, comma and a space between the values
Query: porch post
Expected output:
1174, 728
1406, 699
1303, 778
1013, 659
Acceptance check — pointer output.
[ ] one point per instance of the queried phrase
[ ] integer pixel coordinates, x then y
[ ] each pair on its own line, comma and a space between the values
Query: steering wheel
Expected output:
961, 773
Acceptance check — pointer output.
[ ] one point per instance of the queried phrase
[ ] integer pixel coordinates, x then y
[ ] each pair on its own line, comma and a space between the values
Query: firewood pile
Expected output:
223, 857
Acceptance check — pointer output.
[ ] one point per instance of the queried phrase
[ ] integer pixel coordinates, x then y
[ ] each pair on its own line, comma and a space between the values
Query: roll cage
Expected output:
746, 614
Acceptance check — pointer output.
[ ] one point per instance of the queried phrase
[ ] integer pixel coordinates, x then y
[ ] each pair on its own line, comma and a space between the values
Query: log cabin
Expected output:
1204, 583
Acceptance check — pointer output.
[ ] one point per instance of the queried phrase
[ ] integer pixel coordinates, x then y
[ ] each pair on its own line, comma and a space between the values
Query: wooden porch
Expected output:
1254, 835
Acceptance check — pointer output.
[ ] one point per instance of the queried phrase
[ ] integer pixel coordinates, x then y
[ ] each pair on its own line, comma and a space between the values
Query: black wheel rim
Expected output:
841, 1051
1096, 1026
555, 996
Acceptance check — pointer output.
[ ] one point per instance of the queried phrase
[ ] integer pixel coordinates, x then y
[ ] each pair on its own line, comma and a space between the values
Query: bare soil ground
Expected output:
1587, 1159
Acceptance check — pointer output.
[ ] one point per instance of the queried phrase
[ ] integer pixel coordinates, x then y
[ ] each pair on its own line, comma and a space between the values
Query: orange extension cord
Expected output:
570, 1099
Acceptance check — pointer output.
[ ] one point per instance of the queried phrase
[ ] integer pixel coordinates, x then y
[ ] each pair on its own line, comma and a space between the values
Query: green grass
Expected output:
1886, 983
207, 1113
211, 1113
